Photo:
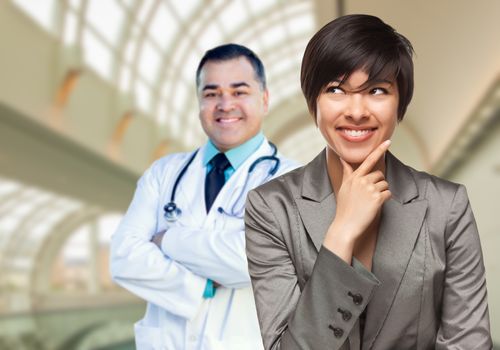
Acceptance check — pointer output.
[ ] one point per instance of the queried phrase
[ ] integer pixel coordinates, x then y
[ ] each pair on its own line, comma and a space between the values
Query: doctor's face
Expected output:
232, 102
354, 119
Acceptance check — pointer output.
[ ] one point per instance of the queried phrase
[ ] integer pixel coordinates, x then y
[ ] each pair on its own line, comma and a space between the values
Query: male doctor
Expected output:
181, 244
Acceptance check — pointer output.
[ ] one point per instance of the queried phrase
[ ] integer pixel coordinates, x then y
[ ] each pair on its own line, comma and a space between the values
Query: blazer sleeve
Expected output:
323, 313
464, 316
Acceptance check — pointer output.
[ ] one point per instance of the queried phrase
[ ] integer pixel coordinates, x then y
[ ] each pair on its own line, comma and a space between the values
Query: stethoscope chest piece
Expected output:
172, 212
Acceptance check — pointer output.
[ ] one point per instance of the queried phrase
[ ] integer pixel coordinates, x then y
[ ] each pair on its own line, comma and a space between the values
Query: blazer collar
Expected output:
316, 185
401, 181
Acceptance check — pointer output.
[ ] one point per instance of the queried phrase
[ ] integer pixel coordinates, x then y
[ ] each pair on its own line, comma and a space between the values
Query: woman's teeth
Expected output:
356, 133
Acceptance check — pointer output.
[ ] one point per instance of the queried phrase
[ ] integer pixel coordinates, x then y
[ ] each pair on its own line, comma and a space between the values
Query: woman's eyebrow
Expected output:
367, 84
378, 81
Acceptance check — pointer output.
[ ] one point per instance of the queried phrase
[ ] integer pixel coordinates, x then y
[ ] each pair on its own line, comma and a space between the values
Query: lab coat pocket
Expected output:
148, 338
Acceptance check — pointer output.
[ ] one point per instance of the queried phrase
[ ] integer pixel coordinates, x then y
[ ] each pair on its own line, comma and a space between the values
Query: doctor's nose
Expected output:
356, 110
225, 103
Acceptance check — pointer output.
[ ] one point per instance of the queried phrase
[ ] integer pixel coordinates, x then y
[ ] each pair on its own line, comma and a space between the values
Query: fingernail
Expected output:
387, 142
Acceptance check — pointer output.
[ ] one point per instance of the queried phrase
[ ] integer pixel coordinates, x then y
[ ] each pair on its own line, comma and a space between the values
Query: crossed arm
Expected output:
175, 275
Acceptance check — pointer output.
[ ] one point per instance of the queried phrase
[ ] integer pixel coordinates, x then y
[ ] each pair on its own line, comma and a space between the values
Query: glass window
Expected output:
70, 30
163, 27
183, 9
149, 62
97, 55
42, 11
106, 17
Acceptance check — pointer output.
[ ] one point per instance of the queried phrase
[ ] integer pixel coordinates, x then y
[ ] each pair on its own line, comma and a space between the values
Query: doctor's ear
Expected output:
265, 97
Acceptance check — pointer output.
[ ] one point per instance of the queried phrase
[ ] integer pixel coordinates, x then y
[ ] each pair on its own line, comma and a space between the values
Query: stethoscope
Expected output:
172, 212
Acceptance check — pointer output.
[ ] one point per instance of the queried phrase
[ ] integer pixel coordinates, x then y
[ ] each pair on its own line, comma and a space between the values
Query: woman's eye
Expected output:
378, 91
334, 90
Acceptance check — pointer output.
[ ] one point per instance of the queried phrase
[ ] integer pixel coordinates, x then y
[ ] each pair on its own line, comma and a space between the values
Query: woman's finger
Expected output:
373, 158
381, 186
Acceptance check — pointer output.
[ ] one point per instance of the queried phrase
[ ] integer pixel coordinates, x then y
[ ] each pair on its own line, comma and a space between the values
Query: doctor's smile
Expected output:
227, 120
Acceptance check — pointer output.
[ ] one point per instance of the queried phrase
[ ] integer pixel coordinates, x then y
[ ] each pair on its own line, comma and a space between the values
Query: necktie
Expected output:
215, 178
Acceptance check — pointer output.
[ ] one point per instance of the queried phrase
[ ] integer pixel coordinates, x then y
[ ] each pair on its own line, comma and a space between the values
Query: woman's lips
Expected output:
356, 135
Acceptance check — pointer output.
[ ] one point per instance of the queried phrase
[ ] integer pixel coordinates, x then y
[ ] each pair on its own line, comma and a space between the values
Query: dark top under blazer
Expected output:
427, 287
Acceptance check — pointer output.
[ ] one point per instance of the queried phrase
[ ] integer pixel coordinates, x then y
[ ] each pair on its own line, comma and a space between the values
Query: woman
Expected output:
357, 250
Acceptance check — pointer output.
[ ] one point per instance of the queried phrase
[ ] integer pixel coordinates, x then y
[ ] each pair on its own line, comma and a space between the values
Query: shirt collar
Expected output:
237, 155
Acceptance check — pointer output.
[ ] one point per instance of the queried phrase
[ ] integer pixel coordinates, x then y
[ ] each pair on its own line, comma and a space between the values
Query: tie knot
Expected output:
219, 162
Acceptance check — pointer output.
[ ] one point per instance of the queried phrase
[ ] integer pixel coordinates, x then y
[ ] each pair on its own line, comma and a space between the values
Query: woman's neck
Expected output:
336, 171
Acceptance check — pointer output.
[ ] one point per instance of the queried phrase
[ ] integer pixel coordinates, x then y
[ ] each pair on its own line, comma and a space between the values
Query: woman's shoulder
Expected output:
287, 184
437, 190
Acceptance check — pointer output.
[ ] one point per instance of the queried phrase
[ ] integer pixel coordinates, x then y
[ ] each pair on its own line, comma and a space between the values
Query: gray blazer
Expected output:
427, 287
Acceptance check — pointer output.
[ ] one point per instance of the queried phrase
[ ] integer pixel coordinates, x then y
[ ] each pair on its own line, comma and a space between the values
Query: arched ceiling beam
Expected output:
52, 245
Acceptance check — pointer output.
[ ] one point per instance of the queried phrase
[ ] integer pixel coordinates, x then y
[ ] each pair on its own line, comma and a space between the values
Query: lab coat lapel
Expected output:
190, 197
231, 191
317, 203
401, 222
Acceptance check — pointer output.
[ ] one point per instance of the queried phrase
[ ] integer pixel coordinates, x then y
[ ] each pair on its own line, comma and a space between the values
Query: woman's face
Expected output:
354, 121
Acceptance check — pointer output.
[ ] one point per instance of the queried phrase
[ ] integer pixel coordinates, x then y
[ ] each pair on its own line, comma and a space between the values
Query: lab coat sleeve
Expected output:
464, 283
139, 265
215, 254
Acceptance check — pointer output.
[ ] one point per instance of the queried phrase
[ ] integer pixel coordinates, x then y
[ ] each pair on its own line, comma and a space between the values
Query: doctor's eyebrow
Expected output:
233, 86
210, 87
239, 84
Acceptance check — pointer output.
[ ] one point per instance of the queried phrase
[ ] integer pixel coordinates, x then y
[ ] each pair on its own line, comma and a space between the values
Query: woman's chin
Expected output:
354, 159
352, 156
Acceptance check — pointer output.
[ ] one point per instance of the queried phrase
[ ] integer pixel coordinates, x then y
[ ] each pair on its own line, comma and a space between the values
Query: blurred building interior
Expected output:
92, 91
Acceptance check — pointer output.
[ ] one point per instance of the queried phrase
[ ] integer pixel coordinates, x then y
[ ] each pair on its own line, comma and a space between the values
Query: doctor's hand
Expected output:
157, 238
361, 195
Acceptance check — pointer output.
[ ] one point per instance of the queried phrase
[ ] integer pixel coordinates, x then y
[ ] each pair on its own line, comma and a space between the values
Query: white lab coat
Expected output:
198, 246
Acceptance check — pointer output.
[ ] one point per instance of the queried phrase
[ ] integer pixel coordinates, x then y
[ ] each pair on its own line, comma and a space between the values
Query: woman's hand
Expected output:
359, 199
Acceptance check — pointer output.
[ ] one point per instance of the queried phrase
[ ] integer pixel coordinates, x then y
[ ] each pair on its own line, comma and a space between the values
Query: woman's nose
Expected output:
356, 109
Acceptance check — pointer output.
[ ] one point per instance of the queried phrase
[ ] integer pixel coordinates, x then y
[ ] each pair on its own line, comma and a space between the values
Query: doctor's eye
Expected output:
209, 94
240, 93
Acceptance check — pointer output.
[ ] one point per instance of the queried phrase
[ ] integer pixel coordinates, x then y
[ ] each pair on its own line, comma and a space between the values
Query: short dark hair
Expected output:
354, 42
230, 51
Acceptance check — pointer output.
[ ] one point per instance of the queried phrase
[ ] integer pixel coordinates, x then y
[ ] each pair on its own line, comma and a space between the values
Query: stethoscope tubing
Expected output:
172, 212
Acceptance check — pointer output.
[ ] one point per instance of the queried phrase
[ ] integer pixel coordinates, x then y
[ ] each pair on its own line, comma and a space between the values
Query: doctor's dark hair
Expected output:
231, 51
354, 42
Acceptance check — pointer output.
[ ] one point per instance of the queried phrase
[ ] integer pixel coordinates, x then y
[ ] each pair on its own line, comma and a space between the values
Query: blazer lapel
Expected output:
401, 222
317, 202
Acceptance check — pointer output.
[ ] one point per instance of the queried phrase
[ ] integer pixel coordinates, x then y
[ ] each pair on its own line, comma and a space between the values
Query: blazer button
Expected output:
356, 298
337, 332
346, 315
